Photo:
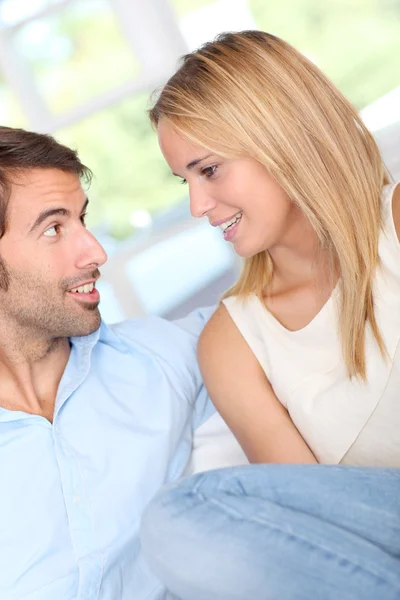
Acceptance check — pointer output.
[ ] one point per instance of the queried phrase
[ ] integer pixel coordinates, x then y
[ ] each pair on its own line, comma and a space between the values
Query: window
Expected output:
84, 70
76, 54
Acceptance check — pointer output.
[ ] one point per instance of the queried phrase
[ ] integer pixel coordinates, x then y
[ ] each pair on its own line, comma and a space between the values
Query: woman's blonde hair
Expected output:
251, 94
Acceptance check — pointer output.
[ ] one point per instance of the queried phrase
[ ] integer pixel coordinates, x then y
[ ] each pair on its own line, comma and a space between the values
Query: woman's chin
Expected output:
247, 251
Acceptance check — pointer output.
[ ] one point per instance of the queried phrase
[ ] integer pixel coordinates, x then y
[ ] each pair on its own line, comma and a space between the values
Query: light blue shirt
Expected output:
72, 493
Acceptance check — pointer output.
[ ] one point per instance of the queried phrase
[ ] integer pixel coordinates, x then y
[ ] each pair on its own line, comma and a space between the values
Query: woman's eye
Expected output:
209, 171
52, 231
183, 181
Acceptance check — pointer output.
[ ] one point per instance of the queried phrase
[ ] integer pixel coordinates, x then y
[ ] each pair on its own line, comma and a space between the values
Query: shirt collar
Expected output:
75, 372
77, 367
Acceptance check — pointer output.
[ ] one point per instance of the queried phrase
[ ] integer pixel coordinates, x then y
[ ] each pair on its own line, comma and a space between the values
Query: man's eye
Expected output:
83, 219
52, 231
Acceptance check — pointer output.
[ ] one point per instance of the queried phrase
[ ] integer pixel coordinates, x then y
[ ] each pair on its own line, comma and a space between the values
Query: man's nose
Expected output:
92, 252
200, 202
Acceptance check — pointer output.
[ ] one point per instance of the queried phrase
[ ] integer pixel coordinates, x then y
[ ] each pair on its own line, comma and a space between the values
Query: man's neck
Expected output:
31, 368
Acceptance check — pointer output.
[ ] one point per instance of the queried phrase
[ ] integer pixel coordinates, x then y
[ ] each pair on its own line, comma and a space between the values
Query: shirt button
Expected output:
77, 499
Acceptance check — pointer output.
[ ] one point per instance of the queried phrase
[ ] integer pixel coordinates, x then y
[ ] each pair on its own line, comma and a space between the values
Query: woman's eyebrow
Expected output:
195, 162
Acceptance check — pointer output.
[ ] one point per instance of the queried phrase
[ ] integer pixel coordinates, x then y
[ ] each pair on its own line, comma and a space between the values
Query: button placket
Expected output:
80, 519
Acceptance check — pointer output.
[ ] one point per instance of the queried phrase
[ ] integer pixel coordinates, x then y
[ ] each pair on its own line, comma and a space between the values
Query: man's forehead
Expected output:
32, 190
44, 182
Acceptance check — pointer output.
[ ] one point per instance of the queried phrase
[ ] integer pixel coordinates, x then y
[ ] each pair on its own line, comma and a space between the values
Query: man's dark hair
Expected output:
21, 151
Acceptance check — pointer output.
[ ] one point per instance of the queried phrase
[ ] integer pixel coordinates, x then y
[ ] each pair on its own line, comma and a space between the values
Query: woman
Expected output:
302, 358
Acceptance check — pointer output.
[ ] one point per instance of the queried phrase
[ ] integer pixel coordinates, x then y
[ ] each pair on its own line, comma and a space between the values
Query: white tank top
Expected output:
342, 420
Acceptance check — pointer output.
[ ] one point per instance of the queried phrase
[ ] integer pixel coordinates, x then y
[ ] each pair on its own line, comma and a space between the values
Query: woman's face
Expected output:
237, 195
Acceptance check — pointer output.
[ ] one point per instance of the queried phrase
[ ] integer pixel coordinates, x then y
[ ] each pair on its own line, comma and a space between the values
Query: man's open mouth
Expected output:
87, 288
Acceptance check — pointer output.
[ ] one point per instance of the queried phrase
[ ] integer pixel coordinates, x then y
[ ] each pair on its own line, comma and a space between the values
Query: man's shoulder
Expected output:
157, 335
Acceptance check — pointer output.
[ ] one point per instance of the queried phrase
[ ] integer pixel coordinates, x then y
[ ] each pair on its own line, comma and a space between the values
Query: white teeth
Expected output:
84, 289
231, 222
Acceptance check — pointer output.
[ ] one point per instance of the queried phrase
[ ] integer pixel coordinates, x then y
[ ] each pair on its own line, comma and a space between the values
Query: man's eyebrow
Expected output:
62, 212
194, 163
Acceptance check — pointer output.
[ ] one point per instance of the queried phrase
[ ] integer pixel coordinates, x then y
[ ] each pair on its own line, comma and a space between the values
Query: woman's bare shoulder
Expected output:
222, 350
220, 330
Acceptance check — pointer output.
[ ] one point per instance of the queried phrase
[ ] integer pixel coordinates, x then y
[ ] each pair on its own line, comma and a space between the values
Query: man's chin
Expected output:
86, 326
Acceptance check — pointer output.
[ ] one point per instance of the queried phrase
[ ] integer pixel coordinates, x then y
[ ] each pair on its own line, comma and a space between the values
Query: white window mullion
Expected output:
20, 79
153, 32
127, 90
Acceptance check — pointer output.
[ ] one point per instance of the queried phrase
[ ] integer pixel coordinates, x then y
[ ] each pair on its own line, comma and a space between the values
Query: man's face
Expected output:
47, 252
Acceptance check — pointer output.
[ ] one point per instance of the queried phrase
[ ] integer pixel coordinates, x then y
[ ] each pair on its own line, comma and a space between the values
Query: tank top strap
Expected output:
245, 314
389, 245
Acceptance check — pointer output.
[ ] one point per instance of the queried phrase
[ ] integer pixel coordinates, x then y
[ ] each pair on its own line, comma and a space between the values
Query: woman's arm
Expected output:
242, 394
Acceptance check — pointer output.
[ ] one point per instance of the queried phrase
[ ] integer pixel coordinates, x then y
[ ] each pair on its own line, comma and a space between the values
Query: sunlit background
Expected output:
84, 71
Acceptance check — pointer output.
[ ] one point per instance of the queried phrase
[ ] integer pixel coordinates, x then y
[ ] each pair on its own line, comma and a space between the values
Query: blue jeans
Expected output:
278, 532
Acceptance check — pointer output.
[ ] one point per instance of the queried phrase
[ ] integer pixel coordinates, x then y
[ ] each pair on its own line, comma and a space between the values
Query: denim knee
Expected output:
165, 540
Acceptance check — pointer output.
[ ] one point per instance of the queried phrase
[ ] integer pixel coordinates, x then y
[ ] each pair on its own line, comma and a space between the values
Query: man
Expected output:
93, 419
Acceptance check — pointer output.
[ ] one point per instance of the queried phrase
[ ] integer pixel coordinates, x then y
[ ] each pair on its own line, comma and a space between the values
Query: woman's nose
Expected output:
200, 202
